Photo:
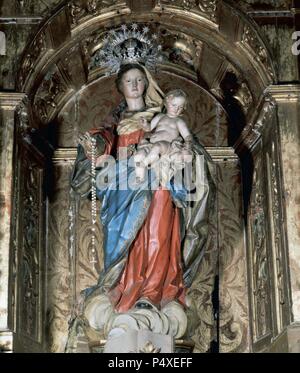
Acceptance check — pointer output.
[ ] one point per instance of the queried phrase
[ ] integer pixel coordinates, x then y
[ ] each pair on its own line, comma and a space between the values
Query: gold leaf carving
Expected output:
244, 96
60, 265
259, 256
80, 9
202, 327
31, 248
258, 52
48, 95
206, 7
234, 313
36, 50
209, 7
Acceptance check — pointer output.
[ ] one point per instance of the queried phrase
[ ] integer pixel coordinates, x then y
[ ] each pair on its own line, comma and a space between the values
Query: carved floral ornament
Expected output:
38, 46
80, 9
207, 7
277, 226
49, 94
252, 132
252, 44
23, 116
260, 274
31, 248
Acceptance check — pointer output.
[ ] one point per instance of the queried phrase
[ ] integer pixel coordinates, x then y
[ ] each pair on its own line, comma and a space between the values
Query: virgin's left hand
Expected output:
144, 124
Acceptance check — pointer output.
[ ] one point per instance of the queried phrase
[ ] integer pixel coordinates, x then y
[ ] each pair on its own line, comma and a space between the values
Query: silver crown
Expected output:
129, 45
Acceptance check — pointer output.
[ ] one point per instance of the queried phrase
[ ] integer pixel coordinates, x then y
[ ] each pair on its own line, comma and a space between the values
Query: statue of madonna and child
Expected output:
156, 227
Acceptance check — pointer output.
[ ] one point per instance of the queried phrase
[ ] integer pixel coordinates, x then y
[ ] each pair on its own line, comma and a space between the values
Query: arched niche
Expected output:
69, 220
210, 42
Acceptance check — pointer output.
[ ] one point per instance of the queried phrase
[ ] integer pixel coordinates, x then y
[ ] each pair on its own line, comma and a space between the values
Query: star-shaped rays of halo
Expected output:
112, 32
111, 58
105, 40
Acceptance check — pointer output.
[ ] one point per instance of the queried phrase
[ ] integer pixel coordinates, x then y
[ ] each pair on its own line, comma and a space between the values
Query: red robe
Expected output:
153, 269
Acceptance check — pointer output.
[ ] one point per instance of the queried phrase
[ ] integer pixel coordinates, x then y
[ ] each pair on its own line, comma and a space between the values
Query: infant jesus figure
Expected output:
165, 132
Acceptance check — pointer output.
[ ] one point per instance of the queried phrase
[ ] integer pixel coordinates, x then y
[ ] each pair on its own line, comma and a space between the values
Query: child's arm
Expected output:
155, 121
183, 130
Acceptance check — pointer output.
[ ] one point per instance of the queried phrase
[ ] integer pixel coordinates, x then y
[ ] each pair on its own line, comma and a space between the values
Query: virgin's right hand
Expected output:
85, 141
144, 124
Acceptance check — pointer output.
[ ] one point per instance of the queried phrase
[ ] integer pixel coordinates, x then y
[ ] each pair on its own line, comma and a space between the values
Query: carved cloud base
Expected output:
170, 320
141, 341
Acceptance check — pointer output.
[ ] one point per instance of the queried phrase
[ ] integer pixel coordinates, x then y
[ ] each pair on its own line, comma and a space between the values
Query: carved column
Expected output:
251, 152
269, 149
233, 323
287, 98
8, 104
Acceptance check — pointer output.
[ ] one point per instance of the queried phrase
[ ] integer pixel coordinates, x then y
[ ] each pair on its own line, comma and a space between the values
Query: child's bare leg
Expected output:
140, 168
153, 155
140, 173
139, 156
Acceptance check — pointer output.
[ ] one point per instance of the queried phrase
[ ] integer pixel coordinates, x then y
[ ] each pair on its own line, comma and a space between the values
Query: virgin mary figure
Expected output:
153, 239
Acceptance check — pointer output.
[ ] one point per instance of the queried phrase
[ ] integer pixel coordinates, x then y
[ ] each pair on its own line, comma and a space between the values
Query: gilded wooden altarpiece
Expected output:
51, 258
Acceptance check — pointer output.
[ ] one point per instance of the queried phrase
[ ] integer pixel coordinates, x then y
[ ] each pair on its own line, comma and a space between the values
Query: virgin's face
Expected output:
133, 84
